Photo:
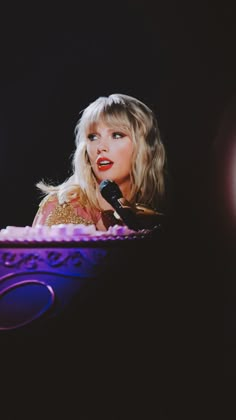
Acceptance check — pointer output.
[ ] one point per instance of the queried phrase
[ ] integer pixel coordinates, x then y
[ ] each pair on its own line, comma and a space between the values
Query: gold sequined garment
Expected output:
64, 214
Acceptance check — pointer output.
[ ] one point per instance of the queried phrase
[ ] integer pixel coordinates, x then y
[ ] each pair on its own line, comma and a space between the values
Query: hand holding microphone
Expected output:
137, 217
112, 194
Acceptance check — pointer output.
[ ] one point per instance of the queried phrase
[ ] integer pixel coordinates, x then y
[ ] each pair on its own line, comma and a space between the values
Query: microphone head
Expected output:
110, 190
112, 193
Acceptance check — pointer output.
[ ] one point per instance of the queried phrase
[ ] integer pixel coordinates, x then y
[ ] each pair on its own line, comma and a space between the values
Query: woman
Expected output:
117, 139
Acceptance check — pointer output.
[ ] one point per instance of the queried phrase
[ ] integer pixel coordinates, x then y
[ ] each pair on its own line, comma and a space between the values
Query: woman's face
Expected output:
110, 153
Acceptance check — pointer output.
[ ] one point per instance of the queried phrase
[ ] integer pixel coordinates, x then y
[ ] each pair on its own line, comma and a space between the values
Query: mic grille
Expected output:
110, 190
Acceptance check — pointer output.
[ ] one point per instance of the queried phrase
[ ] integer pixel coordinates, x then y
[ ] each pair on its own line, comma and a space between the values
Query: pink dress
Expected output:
50, 213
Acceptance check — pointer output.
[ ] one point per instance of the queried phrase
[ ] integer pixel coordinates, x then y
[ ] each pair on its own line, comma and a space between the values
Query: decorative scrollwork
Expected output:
11, 259
56, 259
52, 258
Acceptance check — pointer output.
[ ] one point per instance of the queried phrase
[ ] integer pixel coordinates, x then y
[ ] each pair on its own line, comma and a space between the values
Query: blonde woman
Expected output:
117, 138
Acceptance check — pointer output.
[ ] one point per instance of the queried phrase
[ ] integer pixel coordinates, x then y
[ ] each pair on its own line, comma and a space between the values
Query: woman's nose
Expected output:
102, 146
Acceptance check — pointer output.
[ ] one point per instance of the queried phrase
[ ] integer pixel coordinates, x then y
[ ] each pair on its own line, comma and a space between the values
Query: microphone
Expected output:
113, 195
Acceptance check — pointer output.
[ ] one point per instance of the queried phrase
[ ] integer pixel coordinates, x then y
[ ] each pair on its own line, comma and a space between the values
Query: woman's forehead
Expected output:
111, 121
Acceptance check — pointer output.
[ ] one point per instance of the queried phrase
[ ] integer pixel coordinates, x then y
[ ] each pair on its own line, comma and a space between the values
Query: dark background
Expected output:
179, 58
175, 56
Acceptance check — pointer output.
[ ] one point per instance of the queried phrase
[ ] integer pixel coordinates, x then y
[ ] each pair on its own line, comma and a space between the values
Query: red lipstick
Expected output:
104, 164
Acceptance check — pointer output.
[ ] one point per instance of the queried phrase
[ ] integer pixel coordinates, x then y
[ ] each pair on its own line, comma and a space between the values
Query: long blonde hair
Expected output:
149, 158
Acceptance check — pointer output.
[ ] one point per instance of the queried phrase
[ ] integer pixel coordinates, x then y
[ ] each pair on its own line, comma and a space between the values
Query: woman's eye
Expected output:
118, 135
92, 136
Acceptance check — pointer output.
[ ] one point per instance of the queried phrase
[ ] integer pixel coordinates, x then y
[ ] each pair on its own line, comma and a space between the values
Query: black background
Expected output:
179, 58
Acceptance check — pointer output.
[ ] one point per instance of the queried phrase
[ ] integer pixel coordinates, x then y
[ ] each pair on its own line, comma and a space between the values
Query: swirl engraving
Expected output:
52, 258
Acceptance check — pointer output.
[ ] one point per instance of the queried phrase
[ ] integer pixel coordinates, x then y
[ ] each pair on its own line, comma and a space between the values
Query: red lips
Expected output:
104, 164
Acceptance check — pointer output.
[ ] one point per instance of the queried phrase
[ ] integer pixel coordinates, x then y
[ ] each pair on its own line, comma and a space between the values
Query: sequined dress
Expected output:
51, 212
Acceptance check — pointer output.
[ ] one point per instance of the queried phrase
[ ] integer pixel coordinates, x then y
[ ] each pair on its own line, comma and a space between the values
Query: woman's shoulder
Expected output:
50, 198
49, 202
52, 212
46, 205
